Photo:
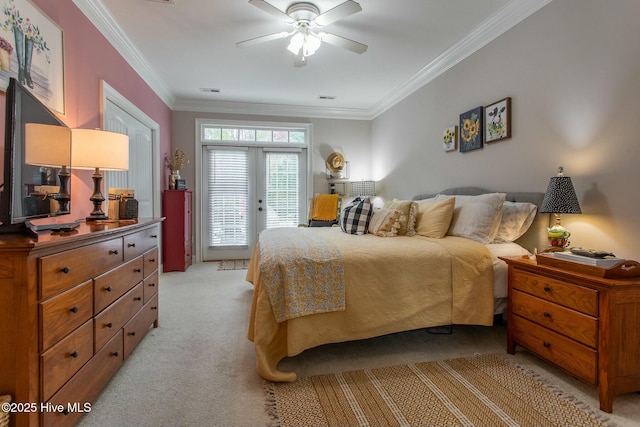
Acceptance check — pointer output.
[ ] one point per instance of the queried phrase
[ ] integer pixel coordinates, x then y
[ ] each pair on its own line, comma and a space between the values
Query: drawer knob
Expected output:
108, 325
152, 284
133, 334
154, 307
137, 270
65, 411
131, 245
546, 344
65, 270
154, 236
115, 354
547, 315
73, 309
113, 252
74, 354
137, 299
108, 289
152, 260
547, 289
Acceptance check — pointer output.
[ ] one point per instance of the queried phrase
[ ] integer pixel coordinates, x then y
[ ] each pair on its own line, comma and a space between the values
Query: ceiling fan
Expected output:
304, 17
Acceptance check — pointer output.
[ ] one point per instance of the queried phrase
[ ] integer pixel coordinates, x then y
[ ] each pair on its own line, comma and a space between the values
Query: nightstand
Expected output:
588, 326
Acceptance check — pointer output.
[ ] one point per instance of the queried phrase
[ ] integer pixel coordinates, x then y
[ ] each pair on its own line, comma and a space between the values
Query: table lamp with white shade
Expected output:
97, 149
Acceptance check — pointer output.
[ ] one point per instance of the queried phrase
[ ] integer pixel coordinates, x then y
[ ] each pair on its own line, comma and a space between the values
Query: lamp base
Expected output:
97, 198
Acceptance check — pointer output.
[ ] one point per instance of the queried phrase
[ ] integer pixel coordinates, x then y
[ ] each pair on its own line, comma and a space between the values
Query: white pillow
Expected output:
517, 217
476, 217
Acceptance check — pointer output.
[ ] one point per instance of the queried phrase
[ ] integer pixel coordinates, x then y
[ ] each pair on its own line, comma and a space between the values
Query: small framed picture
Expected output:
471, 130
181, 184
497, 118
450, 138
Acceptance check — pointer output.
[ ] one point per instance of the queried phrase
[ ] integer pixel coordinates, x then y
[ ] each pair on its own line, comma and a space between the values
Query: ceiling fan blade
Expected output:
342, 10
263, 39
343, 42
269, 8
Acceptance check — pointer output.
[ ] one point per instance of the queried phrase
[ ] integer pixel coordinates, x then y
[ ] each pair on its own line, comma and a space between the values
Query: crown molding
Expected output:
104, 22
513, 13
500, 22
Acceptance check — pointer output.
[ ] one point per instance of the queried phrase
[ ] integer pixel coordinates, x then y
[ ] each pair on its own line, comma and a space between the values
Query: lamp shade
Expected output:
560, 197
94, 148
47, 145
363, 188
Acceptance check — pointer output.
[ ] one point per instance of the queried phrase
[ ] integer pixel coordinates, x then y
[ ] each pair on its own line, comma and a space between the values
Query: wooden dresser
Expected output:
177, 245
72, 309
587, 325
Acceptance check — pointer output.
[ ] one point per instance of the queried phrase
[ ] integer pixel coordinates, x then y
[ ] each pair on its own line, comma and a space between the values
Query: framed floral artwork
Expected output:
471, 130
31, 52
449, 138
497, 118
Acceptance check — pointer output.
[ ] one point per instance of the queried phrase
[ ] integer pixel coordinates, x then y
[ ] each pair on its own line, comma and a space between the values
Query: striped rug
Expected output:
480, 391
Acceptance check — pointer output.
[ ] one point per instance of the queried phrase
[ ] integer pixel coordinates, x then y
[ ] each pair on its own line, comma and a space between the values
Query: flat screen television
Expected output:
21, 194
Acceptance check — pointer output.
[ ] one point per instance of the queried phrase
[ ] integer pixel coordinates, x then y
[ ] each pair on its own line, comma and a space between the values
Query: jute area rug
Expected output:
480, 391
233, 264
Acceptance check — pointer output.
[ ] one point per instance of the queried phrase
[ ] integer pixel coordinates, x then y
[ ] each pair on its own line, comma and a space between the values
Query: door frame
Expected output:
197, 256
109, 94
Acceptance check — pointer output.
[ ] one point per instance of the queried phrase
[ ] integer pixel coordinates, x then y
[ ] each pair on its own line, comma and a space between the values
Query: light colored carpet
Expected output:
199, 369
483, 390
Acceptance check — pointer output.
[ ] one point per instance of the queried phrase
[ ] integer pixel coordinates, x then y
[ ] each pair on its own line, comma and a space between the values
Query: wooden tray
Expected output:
625, 268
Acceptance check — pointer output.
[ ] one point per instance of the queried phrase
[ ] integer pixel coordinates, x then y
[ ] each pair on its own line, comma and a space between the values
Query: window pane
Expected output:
247, 135
230, 134
296, 136
280, 136
228, 191
264, 135
212, 134
282, 190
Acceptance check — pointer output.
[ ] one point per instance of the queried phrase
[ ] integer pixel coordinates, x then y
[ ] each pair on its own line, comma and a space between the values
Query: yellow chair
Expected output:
324, 210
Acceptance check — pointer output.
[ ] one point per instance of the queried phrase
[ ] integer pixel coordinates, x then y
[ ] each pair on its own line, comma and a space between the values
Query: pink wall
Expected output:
89, 58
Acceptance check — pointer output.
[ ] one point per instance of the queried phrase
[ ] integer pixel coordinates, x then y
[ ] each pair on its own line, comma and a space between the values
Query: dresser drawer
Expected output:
86, 385
569, 355
135, 244
116, 315
66, 269
137, 327
64, 359
150, 286
150, 262
110, 286
65, 312
576, 325
566, 294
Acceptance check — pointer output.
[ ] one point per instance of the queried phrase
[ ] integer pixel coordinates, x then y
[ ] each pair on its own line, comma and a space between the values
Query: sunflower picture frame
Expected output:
450, 138
471, 130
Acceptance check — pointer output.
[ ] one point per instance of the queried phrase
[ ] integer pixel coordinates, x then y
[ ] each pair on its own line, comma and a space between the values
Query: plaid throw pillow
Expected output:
356, 216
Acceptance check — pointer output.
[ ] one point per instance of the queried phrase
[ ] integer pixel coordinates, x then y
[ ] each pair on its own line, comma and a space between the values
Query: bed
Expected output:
315, 286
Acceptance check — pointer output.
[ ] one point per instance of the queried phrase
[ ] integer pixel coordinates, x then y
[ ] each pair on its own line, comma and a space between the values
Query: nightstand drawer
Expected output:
576, 325
570, 355
566, 294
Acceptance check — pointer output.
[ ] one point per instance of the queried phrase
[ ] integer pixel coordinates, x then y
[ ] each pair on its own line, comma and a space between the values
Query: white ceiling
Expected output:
180, 47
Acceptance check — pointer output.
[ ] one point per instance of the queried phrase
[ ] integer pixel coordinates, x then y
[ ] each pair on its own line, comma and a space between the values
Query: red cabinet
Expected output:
176, 230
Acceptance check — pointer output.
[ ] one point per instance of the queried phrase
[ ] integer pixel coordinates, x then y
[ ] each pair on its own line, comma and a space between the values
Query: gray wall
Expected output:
572, 71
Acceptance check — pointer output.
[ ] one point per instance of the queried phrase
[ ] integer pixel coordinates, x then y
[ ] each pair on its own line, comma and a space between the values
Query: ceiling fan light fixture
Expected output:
307, 41
295, 44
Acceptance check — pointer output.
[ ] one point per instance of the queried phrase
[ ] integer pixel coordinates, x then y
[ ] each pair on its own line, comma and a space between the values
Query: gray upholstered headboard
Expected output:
535, 237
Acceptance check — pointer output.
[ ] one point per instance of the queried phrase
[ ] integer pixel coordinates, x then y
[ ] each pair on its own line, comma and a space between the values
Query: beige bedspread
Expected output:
392, 284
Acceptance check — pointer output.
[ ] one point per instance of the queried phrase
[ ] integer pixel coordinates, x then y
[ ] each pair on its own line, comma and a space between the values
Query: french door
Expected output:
245, 190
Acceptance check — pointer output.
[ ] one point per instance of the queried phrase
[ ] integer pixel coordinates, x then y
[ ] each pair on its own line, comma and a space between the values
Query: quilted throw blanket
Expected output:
302, 273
